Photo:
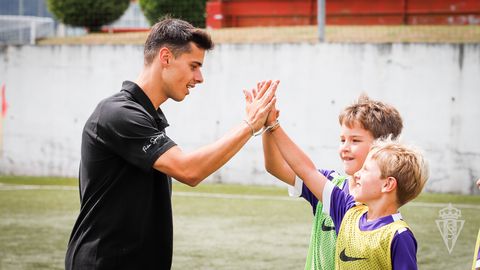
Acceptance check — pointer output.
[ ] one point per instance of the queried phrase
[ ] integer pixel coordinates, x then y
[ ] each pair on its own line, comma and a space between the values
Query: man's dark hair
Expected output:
176, 35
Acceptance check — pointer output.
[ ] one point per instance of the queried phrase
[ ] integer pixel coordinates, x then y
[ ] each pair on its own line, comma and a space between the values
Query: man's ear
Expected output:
390, 184
164, 55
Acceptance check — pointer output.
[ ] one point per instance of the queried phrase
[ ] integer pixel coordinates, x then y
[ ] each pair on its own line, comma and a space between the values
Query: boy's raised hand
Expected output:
272, 116
274, 113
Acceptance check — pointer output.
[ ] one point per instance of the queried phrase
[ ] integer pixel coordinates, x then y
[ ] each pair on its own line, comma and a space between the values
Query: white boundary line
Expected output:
442, 205
233, 196
10, 187
286, 198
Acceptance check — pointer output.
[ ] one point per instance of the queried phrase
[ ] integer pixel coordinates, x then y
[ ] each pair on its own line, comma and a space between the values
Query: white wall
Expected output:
51, 90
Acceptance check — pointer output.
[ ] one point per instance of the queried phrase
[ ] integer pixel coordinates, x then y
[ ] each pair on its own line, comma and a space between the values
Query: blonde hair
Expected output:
381, 119
405, 163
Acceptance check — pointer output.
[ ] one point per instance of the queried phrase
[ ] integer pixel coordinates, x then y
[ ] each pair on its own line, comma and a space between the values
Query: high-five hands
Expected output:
259, 103
273, 114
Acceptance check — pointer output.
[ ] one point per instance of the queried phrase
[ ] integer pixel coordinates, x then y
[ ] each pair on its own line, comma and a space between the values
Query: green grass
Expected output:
243, 227
29, 180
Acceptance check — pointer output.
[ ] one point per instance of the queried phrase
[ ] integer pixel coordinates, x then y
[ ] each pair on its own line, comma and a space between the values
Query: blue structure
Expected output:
24, 8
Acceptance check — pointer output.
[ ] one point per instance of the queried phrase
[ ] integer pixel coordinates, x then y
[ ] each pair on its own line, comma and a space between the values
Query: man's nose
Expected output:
198, 77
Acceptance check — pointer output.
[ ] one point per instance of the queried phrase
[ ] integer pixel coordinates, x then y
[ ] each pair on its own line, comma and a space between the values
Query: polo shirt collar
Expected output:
140, 96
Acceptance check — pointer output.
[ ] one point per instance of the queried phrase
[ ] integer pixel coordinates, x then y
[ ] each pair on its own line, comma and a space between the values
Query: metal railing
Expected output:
24, 29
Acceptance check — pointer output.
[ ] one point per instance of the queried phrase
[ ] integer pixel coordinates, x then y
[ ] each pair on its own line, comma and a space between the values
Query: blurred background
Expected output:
59, 58
26, 21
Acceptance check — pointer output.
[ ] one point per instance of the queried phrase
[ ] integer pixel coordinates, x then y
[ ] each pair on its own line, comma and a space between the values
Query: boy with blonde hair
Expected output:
371, 232
361, 123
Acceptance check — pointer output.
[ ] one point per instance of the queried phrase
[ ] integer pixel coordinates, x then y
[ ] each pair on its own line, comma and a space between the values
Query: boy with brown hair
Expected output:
361, 123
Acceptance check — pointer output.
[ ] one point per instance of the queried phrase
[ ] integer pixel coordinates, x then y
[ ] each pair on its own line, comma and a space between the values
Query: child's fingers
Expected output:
248, 96
270, 105
260, 85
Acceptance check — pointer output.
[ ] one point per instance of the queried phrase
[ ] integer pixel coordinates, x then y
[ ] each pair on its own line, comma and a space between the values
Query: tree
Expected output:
192, 11
88, 13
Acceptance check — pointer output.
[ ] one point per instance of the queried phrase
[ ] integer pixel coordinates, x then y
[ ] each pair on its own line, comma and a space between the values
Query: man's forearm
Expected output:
192, 168
210, 158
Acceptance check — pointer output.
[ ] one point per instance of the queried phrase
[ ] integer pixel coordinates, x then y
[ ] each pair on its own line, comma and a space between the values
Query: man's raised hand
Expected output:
259, 102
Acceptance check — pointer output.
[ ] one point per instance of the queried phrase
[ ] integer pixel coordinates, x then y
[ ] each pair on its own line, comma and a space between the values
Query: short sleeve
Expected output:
300, 189
296, 189
336, 203
130, 132
404, 251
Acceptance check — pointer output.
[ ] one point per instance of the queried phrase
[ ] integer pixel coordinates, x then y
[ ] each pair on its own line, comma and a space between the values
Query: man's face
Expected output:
355, 142
183, 73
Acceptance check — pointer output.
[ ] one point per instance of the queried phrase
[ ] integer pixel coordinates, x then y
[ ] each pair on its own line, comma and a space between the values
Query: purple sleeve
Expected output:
404, 251
307, 193
336, 203
308, 196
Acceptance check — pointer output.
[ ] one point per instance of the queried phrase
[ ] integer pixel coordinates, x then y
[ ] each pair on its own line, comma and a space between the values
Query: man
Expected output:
125, 221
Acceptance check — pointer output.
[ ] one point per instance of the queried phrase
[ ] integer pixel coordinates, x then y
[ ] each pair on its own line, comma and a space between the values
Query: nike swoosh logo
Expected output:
326, 228
346, 258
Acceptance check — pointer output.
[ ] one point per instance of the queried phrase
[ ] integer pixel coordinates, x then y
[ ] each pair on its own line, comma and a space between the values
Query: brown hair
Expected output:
405, 163
176, 35
381, 119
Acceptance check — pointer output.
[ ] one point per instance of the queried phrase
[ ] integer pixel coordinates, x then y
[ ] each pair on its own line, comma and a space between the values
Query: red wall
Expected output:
240, 13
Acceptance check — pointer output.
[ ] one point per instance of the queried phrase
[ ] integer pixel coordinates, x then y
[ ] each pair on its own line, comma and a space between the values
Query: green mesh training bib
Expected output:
321, 252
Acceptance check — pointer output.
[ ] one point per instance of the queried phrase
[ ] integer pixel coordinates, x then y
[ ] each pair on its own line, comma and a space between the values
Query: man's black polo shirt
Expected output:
125, 220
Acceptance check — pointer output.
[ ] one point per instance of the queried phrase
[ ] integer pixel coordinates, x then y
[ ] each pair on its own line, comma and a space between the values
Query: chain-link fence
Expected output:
346, 20
26, 21
132, 20
244, 21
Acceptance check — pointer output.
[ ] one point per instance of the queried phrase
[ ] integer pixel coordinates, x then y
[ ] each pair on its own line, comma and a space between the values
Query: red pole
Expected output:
4, 101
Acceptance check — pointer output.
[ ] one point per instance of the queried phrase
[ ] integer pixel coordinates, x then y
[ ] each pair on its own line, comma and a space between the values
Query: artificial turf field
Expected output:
215, 226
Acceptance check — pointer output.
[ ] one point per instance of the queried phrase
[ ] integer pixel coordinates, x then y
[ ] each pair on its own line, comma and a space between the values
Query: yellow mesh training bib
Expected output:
364, 250
476, 265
